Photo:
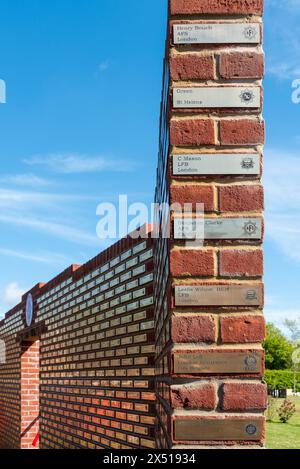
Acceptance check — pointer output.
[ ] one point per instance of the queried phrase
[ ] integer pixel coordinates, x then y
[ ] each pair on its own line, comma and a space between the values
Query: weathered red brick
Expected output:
198, 328
241, 198
192, 262
242, 329
193, 194
192, 132
244, 396
196, 396
192, 66
241, 263
242, 7
242, 132
241, 65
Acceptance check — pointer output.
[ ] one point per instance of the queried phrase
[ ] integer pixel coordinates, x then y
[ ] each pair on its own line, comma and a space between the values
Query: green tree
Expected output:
278, 349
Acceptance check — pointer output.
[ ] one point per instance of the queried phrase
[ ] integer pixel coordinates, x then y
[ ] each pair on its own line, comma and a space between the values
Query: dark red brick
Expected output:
191, 132
244, 397
241, 65
193, 194
241, 263
242, 132
192, 263
225, 7
241, 198
198, 328
193, 396
242, 329
192, 66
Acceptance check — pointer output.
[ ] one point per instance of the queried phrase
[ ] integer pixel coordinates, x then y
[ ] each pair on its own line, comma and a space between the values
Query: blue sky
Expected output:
80, 126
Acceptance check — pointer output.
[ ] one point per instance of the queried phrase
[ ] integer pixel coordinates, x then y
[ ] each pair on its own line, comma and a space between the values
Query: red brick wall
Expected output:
30, 396
96, 364
207, 405
10, 383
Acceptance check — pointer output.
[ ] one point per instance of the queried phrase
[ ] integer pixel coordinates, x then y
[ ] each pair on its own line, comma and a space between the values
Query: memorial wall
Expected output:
209, 296
80, 357
158, 343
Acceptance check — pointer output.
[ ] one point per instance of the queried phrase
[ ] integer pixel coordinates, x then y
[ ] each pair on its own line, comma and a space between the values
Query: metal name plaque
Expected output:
216, 164
218, 228
250, 429
218, 362
219, 295
189, 228
221, 33
217, 97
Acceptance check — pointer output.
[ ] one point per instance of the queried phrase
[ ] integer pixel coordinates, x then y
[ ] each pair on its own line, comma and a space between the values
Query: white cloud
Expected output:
59, 230
43, 257
104, 66
24, 180
282, 40
12, 293
74, 163
281, 178
16, 198
284, 70
293, 5
278, 316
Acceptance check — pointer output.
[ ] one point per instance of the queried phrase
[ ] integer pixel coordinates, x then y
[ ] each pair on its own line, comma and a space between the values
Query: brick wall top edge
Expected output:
77, 271
215, 7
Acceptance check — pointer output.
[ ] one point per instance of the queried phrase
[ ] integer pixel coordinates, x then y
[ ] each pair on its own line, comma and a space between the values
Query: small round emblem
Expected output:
247, 163
250, 228
250, 32
29, 310
250, 361
251, 429
247, 96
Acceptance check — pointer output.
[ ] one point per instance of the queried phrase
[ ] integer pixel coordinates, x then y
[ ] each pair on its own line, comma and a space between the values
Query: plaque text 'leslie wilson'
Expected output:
219, 295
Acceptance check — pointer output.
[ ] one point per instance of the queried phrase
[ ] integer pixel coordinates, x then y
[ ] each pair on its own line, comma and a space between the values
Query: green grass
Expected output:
284, 435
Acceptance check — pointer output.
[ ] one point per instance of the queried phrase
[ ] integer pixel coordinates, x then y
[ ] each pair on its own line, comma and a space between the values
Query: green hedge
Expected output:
282, 379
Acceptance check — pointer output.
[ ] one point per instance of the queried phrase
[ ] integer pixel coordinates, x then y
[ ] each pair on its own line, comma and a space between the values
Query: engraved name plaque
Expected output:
219, 295
218, 429
217, 97
216, 164
217, 33
218, 362
218, 228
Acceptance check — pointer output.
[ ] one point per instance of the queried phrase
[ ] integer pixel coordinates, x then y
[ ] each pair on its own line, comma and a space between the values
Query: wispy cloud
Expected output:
293, 5
282, 173
74, 163
63, 231
104, 65
24, 180
278, 316
12, 293
282, 38
43, 257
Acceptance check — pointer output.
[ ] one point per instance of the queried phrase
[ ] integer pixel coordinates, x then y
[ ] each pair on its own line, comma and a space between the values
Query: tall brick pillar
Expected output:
30, 405
209, 297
